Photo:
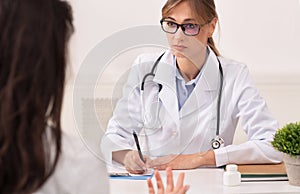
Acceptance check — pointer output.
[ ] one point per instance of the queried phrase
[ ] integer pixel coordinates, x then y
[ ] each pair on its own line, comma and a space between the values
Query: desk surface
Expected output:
205, 181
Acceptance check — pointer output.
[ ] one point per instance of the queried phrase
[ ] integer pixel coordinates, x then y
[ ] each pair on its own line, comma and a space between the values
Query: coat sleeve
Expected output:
256, 121
126, 116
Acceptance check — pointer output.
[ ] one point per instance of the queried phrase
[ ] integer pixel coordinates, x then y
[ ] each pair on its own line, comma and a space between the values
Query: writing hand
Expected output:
134, 164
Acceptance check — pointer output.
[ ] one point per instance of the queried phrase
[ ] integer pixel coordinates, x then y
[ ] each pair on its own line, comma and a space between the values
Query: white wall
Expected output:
262, 33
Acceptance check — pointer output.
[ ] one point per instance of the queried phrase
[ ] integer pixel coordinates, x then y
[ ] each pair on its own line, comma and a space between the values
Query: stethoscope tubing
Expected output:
219, 98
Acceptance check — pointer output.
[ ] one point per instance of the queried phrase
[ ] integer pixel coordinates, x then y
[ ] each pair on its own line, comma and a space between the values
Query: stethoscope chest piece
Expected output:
217, 142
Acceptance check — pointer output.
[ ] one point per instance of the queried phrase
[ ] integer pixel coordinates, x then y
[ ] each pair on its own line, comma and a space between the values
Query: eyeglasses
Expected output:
188, 29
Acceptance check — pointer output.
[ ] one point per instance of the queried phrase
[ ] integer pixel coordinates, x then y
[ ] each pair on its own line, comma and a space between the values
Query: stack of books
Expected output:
263, 172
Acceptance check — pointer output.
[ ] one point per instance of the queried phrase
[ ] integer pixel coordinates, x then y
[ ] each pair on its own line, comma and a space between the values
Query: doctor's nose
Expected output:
179, 35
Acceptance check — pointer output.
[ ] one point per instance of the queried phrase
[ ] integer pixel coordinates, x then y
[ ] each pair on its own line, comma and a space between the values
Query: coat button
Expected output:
174, 133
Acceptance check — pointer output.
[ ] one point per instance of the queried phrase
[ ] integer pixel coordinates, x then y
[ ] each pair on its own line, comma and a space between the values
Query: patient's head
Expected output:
33, 44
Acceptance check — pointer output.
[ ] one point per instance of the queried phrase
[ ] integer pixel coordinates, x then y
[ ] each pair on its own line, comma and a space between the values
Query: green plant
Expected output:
287, 139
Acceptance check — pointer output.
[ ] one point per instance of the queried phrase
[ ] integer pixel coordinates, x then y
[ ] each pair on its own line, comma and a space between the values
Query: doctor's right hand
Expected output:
134, 164
131, 160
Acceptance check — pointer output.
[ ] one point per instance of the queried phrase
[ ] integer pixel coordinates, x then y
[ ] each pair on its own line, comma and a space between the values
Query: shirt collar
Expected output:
195, 80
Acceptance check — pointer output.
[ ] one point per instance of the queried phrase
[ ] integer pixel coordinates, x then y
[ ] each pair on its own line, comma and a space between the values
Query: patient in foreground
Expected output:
35, 155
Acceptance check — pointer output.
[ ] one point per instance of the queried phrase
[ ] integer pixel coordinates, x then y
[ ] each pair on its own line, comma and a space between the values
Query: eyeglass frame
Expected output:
182, 27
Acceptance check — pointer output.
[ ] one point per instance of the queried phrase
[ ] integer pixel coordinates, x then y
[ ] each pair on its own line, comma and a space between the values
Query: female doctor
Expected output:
185, 103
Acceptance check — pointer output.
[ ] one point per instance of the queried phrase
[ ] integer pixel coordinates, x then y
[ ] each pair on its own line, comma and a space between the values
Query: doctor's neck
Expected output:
189, 69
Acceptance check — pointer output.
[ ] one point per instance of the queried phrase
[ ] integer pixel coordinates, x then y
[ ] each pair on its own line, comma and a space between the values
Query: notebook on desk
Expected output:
263, 172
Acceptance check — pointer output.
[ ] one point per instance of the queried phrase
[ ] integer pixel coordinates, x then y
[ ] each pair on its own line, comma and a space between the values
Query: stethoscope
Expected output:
216, 142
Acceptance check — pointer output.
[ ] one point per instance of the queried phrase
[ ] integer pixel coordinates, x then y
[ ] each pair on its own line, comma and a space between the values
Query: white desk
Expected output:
205, 181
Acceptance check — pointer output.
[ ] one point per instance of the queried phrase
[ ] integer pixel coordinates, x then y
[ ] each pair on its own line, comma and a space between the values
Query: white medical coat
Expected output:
166, 130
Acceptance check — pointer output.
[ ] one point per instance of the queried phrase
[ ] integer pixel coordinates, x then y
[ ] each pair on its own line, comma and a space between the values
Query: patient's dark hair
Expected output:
33, 45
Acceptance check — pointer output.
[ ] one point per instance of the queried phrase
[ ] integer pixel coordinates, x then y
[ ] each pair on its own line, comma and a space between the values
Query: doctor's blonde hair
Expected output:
204, 10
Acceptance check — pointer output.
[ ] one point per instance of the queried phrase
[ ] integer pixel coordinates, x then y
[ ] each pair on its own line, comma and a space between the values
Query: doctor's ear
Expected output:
212, 26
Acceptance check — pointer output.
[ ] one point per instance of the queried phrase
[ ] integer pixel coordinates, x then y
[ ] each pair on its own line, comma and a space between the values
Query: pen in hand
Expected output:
138, 146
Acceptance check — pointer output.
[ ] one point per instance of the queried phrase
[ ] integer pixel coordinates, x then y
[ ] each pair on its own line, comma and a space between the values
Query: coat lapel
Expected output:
165, 75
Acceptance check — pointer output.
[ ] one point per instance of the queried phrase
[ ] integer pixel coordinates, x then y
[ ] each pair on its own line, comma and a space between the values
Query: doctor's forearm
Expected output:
206, 158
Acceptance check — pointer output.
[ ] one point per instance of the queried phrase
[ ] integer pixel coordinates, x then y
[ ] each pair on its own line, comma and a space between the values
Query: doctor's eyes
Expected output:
171, 24
190, 26
172, 27
185, 26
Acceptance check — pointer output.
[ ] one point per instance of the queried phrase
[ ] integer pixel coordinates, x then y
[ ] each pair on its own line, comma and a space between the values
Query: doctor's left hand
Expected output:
184, 161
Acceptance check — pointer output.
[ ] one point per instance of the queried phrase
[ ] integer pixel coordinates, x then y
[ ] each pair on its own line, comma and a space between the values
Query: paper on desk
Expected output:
117, 171
149, 172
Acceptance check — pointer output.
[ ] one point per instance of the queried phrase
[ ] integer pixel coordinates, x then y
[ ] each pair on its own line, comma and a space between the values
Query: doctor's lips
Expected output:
178, 47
